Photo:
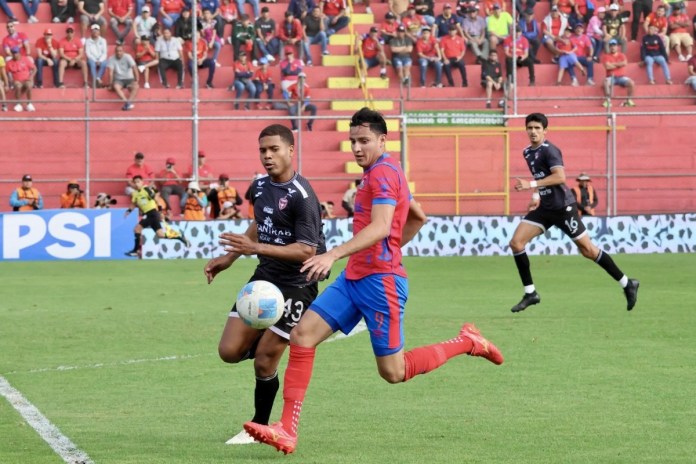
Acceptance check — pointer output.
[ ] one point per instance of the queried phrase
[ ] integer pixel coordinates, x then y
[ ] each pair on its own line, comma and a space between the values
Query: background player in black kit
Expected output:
553, 204
286, 231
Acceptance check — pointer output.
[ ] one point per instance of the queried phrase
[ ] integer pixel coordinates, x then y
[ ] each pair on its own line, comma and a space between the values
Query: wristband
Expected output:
536, 196
533, 184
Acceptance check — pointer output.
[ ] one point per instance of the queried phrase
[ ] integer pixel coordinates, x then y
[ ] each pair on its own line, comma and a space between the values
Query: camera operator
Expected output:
194, 202
26, 197
172, 184
74, 197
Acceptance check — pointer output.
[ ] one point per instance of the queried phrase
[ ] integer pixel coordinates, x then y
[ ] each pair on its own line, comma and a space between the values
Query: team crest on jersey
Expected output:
282, 203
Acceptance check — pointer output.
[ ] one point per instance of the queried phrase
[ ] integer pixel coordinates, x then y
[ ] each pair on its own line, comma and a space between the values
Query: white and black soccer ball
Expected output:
260, 304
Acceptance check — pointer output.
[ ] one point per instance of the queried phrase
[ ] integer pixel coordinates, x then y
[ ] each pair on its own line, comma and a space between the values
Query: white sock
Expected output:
624, 281
529, 288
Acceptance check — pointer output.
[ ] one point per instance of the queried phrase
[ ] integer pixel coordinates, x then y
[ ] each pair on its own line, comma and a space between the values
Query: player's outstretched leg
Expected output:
631, 292
482, 347
527, 300
274, 435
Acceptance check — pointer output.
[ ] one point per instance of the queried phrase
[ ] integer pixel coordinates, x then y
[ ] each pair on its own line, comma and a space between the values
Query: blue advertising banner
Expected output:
58, 234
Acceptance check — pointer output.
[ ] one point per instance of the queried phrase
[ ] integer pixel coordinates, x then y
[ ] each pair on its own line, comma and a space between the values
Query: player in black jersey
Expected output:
286, 230
553, 204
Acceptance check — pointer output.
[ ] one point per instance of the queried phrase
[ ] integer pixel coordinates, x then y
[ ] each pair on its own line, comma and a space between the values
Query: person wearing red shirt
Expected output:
262, 81
145, 58
171, 185
205, 172
138, 168
201, 59
291, 33
72, 55
47, 55
679, 36
568, 60
170, 11
584, 51
615, 64
522, 57
298, 95
429, 55
121, 14
387, 30
22, 70
15, 39
453, 48
373, 287
413, 23
659, 20
335, 11
372, 53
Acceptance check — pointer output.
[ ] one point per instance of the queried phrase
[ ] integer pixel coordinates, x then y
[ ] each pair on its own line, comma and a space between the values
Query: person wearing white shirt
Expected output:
144, 23
168, 50
96, 53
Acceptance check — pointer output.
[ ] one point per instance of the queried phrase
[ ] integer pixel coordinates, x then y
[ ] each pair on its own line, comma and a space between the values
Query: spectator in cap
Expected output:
680, 38
254, 6
26, 197
595, 30
221, 194
302, 8
499, 25
144, 23
426, 10
652, 50
615, 63
243, 35
138, 168
62, 11
91, 12
290, 68
263, 82
154, 10
170, 55
315, 31
474, 29
169, 182
194, 203
402, 47
96, 55
336, 16
530, 30
73, 197
372, 53
72, 55
446, 21
552, 29
267, 41
205, 172
22, 70
413, 22
614, 29
291, 34
121, 18
4, 83
429, 56
585, 195
387, 29
243, 73
17, 39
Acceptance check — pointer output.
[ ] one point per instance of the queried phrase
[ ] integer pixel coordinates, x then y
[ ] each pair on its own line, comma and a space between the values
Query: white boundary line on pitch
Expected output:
61, 444
361, 327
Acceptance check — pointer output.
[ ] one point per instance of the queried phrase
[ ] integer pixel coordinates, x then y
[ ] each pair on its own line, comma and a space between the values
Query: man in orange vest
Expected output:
194, 202
585, 195
26, 197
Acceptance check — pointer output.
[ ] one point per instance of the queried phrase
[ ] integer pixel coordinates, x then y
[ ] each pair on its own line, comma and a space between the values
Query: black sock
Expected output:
608, 265
264, 395
136, 246
522, 262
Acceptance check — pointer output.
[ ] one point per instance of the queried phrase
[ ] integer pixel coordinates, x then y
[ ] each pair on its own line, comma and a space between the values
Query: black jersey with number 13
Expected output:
286, 213
540, 161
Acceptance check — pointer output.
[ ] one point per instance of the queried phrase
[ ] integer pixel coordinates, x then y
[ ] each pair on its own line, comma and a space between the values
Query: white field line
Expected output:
339, 336
61, 444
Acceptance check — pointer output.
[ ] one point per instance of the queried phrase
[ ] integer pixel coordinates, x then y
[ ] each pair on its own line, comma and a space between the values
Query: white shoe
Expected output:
146, 85
32, 19
682, 58
242, 438
56, 20
18, 108
368, 10
254, 63
688, 57
270, 58
30, 107
70, 20
574, 82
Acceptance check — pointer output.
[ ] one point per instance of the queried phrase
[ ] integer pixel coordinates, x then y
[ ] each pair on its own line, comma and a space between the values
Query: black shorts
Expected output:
566, 219
152, 220
297, 300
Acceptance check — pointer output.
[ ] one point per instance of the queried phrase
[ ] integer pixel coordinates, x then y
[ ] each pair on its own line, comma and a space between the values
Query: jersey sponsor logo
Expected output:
282, 203
268, 209
279, 241
261, 182
268, 229
258, 194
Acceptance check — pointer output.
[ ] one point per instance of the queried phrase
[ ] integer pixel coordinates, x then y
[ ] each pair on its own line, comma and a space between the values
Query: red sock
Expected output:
297, 377
427, 358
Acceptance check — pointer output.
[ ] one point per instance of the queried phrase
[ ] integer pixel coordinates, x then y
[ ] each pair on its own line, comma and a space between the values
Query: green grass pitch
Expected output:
122, 358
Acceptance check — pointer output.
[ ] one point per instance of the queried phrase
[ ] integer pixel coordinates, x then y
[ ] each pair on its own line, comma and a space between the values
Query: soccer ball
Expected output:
260, 304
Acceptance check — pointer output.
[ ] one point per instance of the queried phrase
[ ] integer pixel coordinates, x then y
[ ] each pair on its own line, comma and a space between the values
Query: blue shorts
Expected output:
400, 62
371, 62
621, 81
379, 299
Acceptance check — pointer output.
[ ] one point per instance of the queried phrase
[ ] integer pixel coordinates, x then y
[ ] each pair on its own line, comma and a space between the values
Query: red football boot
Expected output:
274, 435
482, 347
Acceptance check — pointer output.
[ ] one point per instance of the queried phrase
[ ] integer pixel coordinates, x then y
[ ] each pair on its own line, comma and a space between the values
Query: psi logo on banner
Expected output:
66, 234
